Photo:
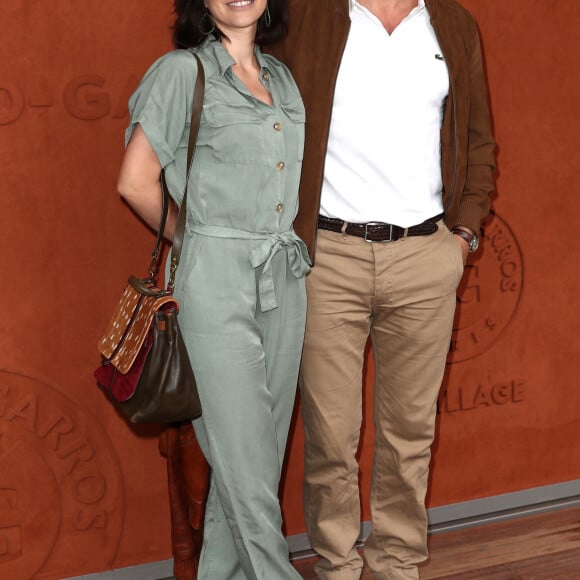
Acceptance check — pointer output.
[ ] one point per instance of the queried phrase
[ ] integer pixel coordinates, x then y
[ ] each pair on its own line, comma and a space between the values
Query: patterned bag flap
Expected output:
129, 326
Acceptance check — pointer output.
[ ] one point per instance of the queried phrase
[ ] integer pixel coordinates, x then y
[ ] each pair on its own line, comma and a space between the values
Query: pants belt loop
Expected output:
343, 228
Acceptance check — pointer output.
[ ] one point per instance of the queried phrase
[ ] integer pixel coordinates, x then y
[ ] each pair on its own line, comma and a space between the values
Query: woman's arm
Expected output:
139, 183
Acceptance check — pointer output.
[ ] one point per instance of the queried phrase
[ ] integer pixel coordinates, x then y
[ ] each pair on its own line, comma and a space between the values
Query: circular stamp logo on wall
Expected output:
61, 492
489, 293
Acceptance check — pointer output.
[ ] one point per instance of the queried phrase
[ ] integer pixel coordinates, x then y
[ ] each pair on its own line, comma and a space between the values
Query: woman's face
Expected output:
236, 15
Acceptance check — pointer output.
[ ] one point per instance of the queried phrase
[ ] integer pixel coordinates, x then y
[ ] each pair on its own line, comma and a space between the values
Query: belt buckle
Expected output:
366, 238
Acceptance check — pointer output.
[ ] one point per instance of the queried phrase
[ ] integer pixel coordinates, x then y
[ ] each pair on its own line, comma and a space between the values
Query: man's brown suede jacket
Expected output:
313, 51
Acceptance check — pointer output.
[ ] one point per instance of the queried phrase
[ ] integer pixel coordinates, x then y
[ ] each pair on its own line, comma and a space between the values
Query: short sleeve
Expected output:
162, 101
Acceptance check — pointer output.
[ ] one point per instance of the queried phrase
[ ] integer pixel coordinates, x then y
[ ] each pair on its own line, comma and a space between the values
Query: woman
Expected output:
240, 283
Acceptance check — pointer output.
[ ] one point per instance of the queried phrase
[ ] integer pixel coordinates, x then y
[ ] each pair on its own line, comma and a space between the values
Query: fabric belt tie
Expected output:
263, 254
378, 231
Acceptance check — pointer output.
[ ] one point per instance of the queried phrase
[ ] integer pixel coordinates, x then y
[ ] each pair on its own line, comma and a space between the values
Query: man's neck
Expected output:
390, 12
389, 5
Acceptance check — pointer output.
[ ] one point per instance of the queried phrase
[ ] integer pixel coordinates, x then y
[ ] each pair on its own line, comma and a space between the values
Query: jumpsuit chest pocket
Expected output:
234, 133
297, 116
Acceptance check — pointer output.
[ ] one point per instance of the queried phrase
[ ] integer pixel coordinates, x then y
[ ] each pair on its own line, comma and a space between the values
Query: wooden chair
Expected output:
188, 484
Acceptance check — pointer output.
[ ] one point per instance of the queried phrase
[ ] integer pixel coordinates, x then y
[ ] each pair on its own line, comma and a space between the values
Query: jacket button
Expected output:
280, 166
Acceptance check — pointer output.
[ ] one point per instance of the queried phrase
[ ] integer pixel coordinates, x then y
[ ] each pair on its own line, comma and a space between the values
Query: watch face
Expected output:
473, 244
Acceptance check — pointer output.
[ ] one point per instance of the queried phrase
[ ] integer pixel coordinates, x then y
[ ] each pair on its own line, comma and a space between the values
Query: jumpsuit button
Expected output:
278, 126
280, 207
280, 166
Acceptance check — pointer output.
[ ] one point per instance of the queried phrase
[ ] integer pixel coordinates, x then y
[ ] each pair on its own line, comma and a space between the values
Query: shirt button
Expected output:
280, 166
266, 76
278, 126
280, 207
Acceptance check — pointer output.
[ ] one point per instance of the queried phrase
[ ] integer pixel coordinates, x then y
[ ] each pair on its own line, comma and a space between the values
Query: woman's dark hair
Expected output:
192, 23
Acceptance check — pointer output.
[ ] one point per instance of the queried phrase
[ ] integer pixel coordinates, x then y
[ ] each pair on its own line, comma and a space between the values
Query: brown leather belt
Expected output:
378, 231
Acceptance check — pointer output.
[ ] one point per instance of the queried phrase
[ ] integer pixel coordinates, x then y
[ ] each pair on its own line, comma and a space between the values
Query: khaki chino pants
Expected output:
402, 295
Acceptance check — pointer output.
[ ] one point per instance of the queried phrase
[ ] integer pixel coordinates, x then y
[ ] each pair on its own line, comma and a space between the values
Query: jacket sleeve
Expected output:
479, 184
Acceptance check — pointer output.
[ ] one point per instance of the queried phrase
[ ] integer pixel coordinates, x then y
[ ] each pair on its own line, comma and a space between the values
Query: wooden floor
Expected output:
541, 547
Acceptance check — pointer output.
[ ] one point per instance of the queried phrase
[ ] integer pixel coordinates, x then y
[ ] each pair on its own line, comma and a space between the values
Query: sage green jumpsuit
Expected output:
240, 286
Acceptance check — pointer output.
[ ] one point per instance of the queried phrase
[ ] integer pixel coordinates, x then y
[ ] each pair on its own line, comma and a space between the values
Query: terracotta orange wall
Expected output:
81, 492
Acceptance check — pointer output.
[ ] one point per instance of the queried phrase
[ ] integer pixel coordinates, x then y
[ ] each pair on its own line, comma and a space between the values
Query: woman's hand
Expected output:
139, 183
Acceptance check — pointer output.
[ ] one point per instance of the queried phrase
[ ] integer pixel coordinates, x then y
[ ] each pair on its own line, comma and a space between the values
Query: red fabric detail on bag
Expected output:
122, 386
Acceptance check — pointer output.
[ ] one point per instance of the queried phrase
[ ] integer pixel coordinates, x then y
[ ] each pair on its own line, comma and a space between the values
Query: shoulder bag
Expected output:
145, 367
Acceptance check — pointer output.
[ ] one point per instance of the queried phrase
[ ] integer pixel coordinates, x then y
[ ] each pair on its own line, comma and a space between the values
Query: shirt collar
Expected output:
224, 60
352, 4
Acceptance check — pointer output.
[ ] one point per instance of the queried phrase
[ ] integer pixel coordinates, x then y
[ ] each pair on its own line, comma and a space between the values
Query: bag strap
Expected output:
182, 215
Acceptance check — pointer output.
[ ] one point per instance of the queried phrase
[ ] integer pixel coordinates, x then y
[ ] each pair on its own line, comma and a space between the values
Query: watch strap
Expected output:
468, 236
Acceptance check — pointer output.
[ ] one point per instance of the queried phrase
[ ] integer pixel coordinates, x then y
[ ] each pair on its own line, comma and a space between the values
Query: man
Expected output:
397, 175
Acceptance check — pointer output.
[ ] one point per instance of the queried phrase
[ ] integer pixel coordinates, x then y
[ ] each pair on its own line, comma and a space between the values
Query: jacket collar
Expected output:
431, 6
340, 6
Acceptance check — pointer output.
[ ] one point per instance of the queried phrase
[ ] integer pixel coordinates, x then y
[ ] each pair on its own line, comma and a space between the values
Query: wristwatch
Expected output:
471, 238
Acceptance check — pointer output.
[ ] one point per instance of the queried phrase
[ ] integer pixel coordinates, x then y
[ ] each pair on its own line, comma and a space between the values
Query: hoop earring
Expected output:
203, 23
267, 17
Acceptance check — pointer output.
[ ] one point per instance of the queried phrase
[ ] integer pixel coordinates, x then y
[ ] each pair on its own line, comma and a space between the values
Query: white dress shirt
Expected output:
383, 161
